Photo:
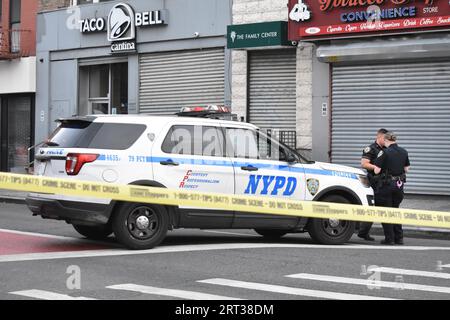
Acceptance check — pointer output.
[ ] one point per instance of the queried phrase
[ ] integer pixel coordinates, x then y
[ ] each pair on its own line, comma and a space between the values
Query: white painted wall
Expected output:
18, 75
254, 11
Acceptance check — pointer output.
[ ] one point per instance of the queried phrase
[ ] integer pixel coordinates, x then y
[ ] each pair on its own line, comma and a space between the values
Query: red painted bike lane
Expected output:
12, 242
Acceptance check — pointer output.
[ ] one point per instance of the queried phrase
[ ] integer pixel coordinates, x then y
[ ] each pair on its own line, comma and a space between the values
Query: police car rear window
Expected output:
94, 135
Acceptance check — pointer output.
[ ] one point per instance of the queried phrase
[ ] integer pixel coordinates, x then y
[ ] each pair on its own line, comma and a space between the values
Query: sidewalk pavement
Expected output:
434, 203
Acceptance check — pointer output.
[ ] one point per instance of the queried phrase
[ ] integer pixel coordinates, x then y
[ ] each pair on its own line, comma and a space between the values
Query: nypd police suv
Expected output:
197, 150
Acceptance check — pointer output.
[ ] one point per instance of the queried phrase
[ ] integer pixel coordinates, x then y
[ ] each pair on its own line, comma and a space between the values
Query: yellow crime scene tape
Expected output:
254, 204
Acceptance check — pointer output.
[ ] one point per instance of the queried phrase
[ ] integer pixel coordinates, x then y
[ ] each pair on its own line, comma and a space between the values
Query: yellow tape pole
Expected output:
254, 204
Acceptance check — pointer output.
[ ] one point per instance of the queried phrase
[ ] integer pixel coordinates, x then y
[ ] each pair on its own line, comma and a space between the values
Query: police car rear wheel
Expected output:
93, 232
331, 231
271, 234
140, 226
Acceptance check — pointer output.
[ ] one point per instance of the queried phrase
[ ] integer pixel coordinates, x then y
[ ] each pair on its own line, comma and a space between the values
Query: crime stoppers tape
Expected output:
254, 204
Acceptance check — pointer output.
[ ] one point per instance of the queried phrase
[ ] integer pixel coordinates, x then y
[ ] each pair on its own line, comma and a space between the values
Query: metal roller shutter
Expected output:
412, 99
171, 80
272, 94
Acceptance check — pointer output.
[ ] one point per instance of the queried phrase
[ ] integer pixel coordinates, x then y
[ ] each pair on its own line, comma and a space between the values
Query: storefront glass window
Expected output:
100, 108
119, 98
99, 81
103, 89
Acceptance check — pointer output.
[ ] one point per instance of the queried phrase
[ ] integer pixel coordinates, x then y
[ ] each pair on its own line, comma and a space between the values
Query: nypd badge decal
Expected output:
313, 186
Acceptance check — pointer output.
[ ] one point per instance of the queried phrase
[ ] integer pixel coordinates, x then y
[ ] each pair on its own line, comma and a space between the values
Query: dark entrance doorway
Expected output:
16, 131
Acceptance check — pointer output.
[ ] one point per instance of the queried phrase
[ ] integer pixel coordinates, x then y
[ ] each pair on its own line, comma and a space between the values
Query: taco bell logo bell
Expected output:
121, 24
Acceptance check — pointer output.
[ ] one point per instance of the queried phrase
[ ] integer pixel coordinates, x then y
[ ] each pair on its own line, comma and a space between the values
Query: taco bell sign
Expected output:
121, 25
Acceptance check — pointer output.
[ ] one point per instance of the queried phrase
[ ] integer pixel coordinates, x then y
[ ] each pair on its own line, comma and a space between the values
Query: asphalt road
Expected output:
44, 259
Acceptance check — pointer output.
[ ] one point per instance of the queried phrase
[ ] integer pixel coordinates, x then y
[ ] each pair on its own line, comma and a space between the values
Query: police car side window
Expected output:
269, 148
241, 143
194, 140
213, 142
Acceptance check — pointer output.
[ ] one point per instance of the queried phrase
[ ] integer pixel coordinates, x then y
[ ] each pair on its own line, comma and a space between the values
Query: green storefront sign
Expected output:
257, 35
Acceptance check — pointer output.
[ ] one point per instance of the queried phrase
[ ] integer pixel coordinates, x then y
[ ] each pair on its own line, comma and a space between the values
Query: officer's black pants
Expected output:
390, 195
364, 227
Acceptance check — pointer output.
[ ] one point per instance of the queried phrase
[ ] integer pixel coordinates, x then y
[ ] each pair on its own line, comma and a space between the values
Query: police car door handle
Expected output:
169, 162
249, 168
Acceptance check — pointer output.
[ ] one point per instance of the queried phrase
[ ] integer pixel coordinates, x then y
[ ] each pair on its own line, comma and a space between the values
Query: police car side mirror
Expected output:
290, 158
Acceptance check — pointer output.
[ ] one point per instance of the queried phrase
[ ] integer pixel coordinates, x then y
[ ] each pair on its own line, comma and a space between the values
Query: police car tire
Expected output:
316, 229
99, 232
271, 233
125, 237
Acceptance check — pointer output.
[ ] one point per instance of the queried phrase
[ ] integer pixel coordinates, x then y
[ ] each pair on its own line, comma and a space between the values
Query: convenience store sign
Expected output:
317, 19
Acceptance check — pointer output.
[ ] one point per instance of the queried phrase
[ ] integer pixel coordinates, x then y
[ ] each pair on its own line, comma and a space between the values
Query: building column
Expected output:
239, 83
304, 97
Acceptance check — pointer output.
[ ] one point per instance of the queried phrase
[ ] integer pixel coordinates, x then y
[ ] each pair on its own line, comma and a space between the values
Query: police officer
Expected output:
369, 155
392, 164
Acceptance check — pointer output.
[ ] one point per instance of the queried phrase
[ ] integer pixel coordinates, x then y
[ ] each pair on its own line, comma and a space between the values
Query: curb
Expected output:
11, 199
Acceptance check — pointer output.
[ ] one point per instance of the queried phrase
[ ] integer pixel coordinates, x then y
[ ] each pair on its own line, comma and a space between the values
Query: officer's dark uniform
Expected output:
371, 153
392, 162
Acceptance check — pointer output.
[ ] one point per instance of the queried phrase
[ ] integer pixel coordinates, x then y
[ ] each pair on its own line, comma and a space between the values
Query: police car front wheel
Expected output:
331, 231
140, 226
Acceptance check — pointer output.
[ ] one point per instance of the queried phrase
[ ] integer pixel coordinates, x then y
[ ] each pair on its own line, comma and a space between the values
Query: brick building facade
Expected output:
20, 16
46, 5
17, 82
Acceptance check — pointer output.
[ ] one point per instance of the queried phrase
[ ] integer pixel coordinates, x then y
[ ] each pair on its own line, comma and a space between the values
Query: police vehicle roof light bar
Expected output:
209, 111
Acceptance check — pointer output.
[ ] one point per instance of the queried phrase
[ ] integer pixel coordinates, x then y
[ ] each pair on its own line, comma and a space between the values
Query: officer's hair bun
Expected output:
390, 136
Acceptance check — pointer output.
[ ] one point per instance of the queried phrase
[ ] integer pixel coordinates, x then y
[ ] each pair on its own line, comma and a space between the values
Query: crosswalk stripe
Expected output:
371, 283
446, 266
183, 294
47, 295
290, 290
418, 273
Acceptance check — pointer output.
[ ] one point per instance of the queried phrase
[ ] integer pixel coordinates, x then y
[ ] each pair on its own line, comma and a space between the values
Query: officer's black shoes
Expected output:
366, 237
391, 243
